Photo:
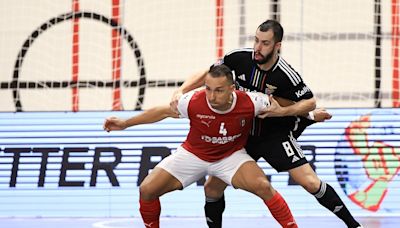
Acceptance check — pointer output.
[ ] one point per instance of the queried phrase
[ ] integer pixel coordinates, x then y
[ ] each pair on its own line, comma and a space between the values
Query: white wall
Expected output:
177, 38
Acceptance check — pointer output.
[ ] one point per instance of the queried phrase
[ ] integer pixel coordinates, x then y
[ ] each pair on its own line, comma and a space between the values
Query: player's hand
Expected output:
273, 110
114, 124
320, 115
173, 104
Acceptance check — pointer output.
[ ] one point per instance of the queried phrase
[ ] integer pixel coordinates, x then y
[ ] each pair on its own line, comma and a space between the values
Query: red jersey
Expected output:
215, 134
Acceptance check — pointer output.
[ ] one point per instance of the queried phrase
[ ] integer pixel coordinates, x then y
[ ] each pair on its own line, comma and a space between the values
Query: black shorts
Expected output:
282, 153
279, 148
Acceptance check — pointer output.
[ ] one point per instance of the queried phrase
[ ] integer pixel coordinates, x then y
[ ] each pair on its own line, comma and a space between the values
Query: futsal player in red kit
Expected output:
220, 121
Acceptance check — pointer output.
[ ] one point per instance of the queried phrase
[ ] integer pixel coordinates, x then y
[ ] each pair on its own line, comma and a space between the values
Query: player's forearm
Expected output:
151, 115
301, 108
193, 82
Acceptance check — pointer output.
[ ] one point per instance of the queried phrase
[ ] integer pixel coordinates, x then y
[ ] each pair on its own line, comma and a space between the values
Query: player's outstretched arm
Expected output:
193, 82
151, 115
295, 109
318, 114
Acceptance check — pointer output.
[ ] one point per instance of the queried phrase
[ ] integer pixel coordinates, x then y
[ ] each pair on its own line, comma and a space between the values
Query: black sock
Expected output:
213, 210
328, 198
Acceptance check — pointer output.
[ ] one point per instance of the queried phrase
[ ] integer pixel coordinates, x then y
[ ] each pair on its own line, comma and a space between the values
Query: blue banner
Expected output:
64, 164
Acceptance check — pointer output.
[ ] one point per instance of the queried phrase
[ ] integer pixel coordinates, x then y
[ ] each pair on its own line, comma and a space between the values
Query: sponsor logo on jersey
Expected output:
270, 89
220, 140
207, 123
242, 122
241, 88
242, 77
203, 116
303, 91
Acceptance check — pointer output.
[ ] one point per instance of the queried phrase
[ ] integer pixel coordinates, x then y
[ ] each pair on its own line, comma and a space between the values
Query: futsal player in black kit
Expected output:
262, 69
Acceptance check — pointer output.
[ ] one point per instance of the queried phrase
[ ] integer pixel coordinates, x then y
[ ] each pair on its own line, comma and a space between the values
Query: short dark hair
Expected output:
276, 28
221, 70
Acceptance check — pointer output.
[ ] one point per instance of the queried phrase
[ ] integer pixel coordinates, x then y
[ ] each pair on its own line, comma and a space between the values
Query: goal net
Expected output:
347, 51
78, 55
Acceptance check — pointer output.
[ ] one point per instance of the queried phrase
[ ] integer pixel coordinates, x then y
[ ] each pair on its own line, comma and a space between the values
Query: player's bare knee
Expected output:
212, 191
263, 188
147, 192
311, 184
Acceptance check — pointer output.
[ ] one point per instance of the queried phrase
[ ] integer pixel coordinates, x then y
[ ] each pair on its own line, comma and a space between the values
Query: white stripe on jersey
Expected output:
296, 75
239, 50
260, 101
257, 76
292, 75
234, 75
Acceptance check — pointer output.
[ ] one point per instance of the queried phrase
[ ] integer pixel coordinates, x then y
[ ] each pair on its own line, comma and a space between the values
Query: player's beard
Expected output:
266, 58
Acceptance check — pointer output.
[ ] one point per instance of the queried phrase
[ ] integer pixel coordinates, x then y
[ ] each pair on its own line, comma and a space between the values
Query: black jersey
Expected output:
281, 81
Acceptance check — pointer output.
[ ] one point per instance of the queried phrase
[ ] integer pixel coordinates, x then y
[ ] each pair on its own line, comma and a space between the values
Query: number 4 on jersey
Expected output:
222, 129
